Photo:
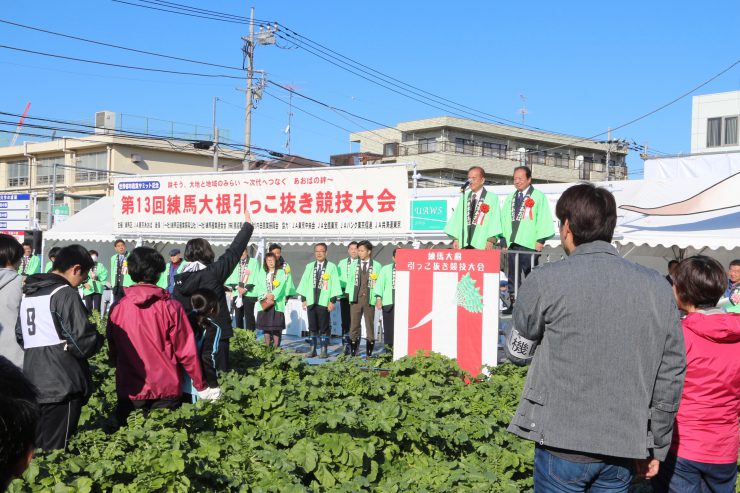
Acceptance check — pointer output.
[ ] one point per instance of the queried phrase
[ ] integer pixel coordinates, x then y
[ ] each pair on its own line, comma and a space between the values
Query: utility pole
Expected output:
215, 137
250, 72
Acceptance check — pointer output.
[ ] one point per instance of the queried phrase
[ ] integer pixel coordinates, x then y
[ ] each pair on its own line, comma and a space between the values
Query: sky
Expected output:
582, 66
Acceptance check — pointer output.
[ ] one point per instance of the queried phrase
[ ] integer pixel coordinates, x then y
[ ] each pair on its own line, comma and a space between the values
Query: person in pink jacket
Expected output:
704, 450
150, 339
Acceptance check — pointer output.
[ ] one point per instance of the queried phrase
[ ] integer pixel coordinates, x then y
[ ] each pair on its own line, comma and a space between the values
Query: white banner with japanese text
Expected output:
363, 201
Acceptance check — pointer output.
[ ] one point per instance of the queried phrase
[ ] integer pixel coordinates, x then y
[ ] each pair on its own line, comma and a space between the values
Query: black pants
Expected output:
222, 355
526, 262
117, 293
344, 306
388, 319
57, 424
126, 407
92, 301
244, 314
319, 320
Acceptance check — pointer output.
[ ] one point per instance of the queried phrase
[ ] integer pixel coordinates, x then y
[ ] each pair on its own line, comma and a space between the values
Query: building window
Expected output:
83, 202
494, 150
714, 132
464, 146
560, 160
18, 173
94, 161
390, 149
45, 170
533, 156
427, 145
731, 131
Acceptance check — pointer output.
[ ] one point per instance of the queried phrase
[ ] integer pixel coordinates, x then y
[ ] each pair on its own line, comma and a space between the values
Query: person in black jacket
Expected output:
203, 272
57, 337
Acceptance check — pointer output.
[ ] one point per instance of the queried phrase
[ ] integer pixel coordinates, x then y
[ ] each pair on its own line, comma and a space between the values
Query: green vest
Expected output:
33, 266
384, 288
255, 271
279, 291
164, 279
536, 223
290, 286
331, 286
96, 285
354, 268
127, 281
486, 224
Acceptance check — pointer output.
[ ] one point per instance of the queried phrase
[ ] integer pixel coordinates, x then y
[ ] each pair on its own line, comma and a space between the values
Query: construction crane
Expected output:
20, 124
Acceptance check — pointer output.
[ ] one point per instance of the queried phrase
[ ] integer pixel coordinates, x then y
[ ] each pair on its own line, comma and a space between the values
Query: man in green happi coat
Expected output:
527, 223
475, 222
385, 296
319, 289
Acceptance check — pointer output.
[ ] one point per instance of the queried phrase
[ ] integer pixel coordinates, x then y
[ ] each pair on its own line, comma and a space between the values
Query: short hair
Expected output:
527, 170
55, 251
274, 246
119, 240
479, 169
70, 256
92, 252
735, 263
591, 212
673, 262
700, 281
351, 243
19, 416
145, 264
199, 250
366, 244
11, 251
321, 244
272, 256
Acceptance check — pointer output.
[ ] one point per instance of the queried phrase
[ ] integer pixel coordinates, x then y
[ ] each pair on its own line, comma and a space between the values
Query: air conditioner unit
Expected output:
105, 122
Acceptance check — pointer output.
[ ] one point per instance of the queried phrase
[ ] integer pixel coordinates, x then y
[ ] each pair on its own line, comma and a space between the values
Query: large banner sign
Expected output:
357, 201
447, 302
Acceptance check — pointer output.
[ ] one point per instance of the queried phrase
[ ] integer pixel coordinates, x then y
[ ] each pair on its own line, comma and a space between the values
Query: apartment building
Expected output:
444, 148
714, 122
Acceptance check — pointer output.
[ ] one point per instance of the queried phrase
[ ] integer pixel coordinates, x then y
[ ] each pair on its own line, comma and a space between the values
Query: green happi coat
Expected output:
164, 279
332, 290
98, 284
344, 266
280, 291
127, 281
255, 273
48, 266
489, 228
353, 277
385, 287
290, 286
531, 229
32, 267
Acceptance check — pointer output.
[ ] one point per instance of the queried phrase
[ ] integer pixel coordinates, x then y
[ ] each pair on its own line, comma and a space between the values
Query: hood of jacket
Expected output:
7, 276
714, 325
37, 282
144, 295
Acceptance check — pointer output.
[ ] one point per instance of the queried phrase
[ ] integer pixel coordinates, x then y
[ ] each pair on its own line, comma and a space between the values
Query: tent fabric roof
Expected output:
93, 223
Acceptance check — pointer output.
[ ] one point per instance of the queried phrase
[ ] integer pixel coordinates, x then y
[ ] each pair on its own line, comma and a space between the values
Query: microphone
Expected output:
465, 185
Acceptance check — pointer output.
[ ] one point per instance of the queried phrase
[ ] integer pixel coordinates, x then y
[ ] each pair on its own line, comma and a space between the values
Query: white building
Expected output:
714, 122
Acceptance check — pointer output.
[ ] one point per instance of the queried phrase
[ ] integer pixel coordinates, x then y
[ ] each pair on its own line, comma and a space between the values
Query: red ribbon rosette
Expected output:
529, 203
484, 208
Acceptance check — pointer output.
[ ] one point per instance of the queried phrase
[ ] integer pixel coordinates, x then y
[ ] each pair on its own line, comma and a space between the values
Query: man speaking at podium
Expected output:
476, 221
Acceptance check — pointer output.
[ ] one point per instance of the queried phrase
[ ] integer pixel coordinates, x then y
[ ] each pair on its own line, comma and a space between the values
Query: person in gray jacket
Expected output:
607, 357
11, 252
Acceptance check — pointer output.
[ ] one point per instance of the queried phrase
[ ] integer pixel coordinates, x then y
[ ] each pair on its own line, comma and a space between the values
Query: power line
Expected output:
132, 67
69, 36
189, 14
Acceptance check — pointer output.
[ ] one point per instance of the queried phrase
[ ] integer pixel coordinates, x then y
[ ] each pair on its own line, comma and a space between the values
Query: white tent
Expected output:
93, 223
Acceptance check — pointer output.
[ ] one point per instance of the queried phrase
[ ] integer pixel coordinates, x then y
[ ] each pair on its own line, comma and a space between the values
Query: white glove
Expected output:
239, 302
209, 394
